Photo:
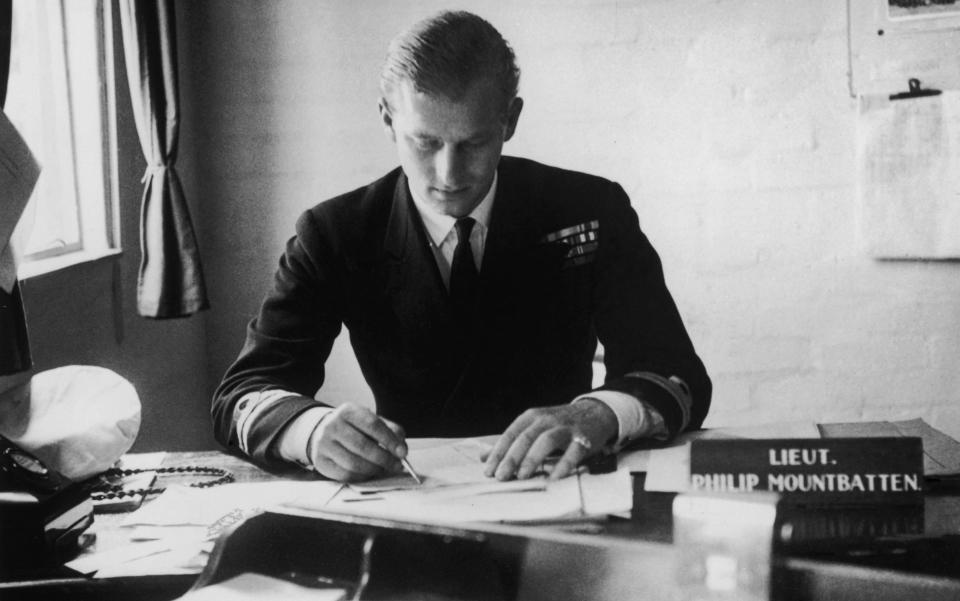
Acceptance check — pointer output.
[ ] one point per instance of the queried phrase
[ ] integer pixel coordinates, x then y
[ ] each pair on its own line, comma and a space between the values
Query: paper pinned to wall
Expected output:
908, 160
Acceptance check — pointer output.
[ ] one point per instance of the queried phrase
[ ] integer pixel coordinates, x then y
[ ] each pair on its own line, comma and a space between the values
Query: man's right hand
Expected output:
352, 443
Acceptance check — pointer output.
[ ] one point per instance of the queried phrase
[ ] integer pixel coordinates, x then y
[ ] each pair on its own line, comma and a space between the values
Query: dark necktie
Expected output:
463, 269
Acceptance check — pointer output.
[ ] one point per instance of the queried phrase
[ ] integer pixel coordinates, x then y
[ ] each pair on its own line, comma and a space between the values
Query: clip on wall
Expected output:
914, 91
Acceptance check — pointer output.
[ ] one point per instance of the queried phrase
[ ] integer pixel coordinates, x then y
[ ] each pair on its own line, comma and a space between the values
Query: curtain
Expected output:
14, 346
170, 282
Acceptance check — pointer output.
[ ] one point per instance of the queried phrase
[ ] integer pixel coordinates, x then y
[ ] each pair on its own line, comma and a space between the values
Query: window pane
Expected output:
55, 98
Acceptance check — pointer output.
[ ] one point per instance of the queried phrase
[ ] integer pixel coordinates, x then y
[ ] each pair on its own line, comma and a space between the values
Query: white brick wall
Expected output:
728, 121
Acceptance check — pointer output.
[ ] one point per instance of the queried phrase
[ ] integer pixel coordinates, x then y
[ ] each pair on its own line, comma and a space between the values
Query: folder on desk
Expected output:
941, 453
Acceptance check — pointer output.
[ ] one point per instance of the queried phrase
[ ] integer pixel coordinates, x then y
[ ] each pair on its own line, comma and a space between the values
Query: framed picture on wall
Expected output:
893, 41
921, 9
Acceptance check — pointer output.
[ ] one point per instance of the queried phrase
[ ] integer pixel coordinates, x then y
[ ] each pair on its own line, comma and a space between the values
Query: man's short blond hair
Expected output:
444, 54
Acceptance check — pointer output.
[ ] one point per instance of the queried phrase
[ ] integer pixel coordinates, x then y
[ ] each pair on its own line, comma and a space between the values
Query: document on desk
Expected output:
941, 452
186, 506
516, 501
440, 462
173, 533
455, 490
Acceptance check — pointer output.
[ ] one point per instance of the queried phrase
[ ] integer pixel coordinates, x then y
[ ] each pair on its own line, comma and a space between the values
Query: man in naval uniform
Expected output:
474, 286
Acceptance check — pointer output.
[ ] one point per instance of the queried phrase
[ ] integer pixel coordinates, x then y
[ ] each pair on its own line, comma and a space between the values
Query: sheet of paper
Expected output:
909, 185
173, 533
147, 559
182, 505
256, 587
513, 501
19, 171
801, 429
90, 563
436, 493
439, 462
859, 429
669, 469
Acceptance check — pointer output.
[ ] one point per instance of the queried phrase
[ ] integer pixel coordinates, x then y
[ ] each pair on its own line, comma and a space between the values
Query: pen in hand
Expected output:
400, 452
410, 470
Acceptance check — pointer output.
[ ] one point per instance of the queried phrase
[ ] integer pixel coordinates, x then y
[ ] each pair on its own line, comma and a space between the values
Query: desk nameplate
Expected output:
837, 469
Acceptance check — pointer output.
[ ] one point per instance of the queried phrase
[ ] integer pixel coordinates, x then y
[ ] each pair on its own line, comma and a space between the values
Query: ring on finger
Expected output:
583, 441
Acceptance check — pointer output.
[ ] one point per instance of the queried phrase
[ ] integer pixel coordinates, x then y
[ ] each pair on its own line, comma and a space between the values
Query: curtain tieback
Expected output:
151, 170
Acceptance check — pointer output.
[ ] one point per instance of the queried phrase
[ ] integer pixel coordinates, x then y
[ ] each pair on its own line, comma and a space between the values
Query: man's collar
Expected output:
438, 226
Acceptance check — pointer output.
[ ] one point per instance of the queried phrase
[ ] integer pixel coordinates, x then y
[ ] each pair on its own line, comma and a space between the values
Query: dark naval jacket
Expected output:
565, 264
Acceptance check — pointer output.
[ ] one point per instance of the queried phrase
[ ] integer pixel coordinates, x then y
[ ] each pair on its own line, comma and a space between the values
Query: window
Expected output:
59, 97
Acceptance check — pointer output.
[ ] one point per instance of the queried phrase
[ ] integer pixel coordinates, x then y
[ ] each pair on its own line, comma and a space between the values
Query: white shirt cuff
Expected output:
635, 419
295, 438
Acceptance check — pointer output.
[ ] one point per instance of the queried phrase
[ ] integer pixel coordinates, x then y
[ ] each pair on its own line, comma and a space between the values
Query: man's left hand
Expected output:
577, 430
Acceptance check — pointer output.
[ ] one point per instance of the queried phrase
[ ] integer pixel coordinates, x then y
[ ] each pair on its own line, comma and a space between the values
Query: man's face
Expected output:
449, 149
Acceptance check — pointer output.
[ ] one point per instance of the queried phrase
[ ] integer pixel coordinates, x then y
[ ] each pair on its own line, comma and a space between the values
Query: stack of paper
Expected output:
455, 491
174, 533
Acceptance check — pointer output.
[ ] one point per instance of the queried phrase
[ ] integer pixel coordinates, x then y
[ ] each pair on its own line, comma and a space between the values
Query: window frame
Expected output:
98, 218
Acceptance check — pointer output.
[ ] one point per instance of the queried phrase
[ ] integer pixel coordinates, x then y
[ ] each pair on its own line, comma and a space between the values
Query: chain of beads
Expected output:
115, 491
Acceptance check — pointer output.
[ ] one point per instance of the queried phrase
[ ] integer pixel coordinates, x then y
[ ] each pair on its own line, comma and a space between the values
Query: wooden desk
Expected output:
895, 570
499, 562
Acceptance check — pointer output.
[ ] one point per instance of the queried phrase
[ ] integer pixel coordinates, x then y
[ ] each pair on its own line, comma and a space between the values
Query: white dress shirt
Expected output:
443, 235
